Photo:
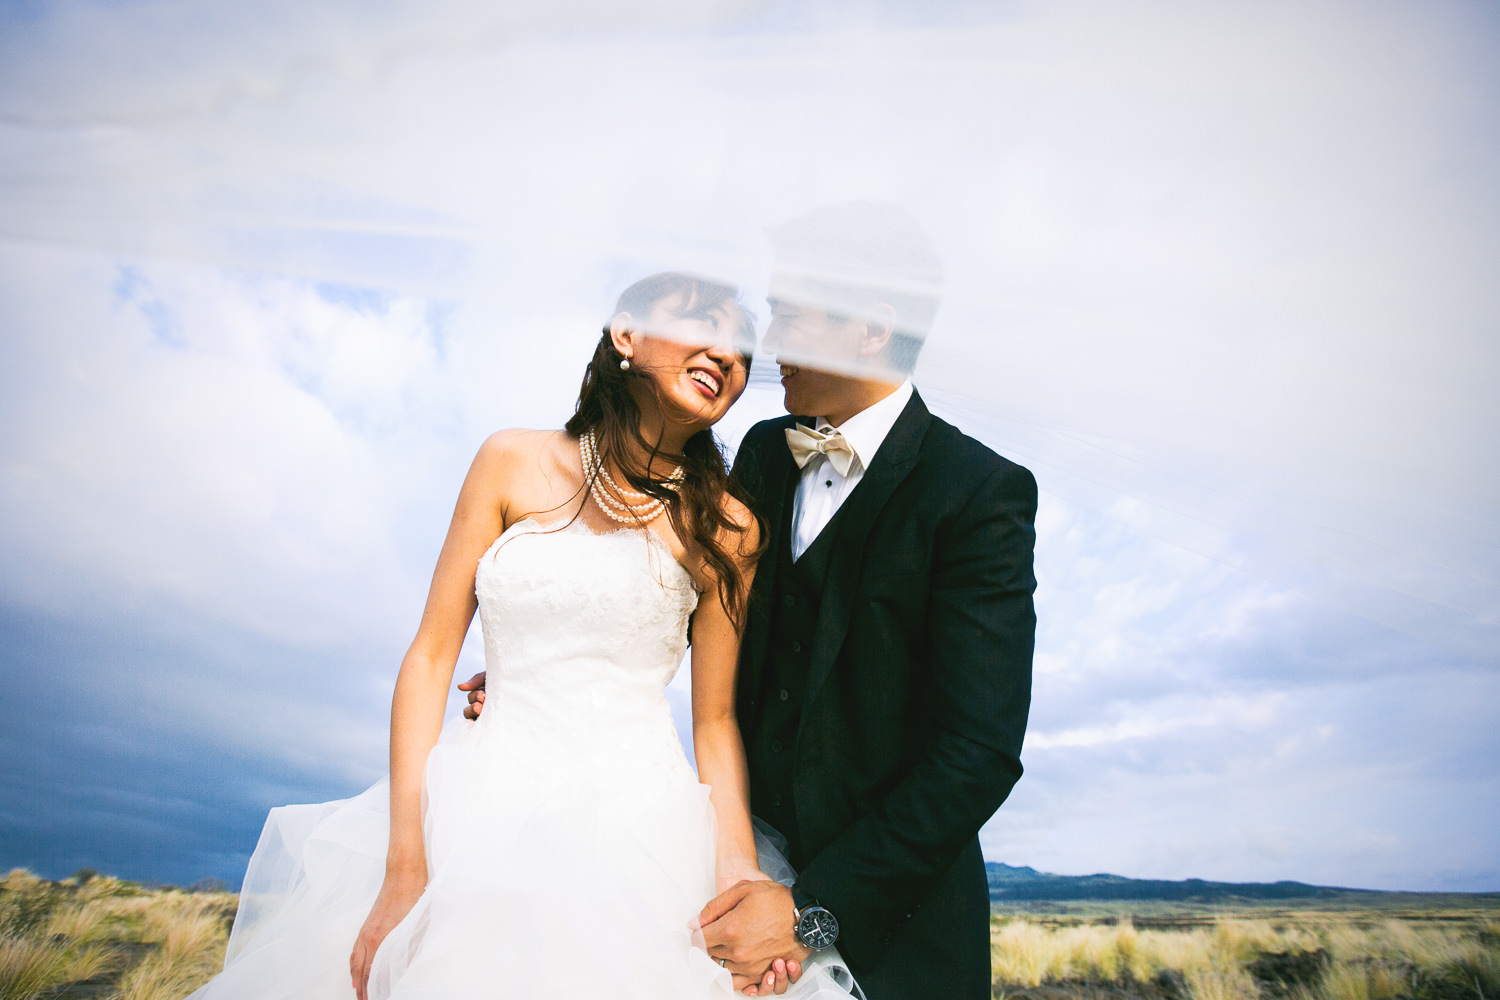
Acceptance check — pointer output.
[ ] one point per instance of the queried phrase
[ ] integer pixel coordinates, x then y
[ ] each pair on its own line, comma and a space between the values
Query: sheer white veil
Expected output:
1224, 275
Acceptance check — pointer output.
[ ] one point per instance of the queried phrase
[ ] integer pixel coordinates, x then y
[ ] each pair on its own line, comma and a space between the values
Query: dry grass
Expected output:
1286, 957
93, 936
1028, 953
99, 936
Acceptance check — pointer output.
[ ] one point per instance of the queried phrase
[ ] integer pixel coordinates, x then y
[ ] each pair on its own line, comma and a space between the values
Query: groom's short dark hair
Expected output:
849, 257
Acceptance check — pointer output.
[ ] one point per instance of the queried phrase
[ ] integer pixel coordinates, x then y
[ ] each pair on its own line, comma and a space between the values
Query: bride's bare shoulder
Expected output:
522, 470
519, 446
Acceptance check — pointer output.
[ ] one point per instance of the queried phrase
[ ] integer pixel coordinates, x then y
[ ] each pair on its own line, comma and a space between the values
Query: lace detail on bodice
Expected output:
551, 599
582, 633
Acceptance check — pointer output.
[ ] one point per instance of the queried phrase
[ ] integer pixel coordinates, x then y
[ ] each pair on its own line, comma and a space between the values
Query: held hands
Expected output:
475, 686
749, 928
398, 894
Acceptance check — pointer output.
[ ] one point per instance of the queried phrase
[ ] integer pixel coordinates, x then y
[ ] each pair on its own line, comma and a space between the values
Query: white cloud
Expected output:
173, 448
1218, 276
1189, 719
1164, 717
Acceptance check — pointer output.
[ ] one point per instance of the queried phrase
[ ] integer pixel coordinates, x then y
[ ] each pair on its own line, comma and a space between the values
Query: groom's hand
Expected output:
475, 686
749, 927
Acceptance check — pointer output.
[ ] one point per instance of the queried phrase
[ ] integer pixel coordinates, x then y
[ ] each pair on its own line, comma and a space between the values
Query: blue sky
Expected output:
1221, 280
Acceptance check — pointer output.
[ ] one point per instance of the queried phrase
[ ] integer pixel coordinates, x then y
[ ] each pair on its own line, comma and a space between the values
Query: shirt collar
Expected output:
867, 429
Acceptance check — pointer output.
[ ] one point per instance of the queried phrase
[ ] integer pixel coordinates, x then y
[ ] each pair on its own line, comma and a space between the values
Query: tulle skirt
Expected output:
548, 876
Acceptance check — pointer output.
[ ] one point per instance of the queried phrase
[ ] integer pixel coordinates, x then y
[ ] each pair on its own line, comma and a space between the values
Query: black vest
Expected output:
771, 738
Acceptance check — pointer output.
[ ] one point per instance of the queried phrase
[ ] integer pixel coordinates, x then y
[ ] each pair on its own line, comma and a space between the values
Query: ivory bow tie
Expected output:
806, 442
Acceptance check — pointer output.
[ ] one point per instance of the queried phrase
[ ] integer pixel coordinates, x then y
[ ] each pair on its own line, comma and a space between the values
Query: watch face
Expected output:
818, 929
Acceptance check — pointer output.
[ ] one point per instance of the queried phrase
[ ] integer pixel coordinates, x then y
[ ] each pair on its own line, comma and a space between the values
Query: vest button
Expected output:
776, 801
796, 646
790, 600
776, 746
785, 694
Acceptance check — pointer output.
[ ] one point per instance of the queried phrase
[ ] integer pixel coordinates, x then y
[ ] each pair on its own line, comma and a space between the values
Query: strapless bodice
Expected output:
582, 633
567, 603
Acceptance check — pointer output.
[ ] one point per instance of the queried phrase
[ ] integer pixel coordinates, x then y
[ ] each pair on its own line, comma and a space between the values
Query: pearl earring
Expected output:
624, 364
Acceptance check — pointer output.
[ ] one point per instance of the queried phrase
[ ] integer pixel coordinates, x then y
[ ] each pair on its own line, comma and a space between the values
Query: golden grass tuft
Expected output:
76, 921
1221, 983
190, 933
1307, 956
124, 941
28, 967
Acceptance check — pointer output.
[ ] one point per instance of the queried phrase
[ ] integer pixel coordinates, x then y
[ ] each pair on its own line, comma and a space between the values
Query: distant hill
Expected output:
1010, 884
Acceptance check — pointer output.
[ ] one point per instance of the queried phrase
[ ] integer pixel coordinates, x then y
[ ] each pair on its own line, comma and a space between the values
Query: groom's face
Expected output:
807, 342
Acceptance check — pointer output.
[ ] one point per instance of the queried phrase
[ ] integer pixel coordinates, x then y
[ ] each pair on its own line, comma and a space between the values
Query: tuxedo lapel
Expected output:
771, 491
895, 458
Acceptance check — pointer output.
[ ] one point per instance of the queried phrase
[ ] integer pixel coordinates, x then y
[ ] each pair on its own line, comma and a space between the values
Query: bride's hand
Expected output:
398, 894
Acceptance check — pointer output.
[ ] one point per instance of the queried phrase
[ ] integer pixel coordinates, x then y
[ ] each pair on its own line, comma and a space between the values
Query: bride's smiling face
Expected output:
697, 365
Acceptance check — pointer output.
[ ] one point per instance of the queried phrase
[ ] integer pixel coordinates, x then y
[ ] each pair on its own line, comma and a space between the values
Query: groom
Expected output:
885, 672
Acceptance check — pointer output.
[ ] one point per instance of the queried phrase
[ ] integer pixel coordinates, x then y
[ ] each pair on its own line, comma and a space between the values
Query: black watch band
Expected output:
801, 898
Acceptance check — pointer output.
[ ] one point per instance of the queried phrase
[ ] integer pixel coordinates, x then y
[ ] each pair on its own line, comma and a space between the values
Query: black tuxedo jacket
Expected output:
915, 701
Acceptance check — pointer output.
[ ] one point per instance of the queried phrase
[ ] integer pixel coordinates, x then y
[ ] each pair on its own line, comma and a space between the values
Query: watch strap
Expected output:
802, 899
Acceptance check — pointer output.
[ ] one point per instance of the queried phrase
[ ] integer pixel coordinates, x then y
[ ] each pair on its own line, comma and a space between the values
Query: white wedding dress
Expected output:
568, 842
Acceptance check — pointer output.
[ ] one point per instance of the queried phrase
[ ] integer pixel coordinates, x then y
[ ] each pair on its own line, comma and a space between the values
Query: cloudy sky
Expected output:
1223, 278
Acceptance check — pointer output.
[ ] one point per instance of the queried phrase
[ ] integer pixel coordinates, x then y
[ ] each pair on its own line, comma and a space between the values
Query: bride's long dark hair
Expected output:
696, 507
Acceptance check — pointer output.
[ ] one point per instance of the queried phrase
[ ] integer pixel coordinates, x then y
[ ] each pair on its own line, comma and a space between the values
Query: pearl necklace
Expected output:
610, 500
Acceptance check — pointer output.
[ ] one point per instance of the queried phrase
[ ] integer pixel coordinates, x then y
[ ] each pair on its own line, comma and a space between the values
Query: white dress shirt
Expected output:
822, 491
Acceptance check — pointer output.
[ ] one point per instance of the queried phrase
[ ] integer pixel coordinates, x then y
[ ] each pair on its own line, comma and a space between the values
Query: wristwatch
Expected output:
814, 926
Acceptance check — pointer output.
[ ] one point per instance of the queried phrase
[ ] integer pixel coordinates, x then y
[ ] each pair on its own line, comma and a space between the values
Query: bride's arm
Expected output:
716, 733
422, 691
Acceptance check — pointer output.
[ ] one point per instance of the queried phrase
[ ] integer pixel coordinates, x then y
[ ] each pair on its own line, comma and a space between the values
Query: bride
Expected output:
560, 845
